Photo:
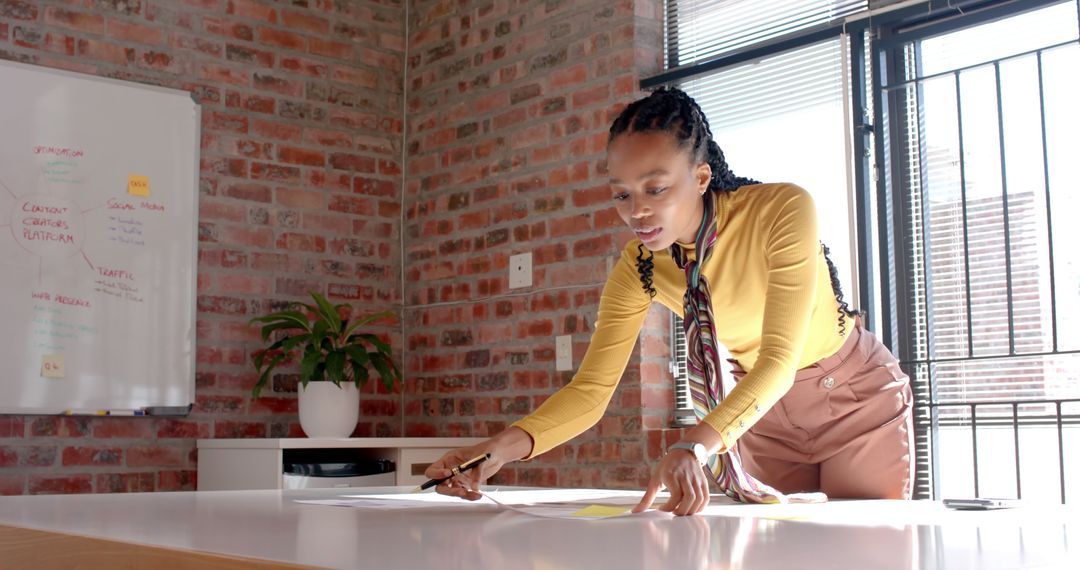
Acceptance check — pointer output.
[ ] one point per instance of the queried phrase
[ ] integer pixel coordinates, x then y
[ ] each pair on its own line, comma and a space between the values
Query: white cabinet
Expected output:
236, 464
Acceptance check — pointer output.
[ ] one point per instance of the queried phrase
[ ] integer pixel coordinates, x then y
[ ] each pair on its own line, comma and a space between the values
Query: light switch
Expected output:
521, 270
564, 353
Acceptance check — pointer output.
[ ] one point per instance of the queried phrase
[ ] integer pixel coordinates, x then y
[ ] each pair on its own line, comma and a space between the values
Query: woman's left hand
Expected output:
684, 478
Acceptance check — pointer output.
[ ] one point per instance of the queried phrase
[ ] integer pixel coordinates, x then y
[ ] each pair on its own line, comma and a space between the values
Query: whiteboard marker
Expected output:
126, 413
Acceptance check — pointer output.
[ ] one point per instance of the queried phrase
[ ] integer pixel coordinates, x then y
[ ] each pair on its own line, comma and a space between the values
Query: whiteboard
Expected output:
98, 216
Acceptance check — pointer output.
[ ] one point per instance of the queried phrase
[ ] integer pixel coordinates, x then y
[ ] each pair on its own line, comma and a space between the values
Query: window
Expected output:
968, 218
781, 118
982, 134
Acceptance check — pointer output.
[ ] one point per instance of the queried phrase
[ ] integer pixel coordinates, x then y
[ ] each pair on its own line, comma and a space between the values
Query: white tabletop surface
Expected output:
269, 525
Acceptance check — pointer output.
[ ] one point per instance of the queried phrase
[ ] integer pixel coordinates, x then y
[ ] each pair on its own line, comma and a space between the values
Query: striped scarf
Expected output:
703, 368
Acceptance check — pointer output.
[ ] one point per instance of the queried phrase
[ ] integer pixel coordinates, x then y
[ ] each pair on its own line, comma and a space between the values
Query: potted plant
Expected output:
334, 360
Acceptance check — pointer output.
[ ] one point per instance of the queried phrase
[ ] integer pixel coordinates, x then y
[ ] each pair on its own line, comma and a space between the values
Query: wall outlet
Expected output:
564, 353
521, 270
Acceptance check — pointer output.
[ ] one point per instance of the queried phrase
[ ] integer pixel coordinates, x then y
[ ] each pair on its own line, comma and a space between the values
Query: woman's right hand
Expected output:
510, 445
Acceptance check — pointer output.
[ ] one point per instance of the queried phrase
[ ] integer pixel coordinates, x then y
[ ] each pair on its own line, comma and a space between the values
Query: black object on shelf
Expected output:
340, 469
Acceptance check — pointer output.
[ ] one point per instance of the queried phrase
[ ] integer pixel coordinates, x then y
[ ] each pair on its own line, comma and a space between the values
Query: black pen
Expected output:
454, 472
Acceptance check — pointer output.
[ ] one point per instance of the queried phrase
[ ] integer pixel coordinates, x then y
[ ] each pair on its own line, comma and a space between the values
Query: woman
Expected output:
820, 404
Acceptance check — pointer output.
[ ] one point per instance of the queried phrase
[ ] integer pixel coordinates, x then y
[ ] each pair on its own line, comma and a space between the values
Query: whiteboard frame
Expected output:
195, 195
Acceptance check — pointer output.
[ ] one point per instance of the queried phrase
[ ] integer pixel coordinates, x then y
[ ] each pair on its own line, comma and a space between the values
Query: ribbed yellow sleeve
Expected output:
789, 278
772, 302
579, 405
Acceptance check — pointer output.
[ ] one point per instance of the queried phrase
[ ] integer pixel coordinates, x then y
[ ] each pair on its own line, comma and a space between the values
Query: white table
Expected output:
266, 529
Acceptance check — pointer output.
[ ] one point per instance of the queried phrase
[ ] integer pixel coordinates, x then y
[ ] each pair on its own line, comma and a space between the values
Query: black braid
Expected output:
645, 268
842, 308
671, 110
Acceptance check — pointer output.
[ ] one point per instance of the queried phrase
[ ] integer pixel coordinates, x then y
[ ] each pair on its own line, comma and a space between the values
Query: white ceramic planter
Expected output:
329, 411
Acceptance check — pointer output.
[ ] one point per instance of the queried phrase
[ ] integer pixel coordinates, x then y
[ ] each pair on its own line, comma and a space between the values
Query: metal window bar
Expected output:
926, 340
1058, 420
1005, 210
975, 447
1046, 189
964, 219
1016, 446
1061, 451
862, 138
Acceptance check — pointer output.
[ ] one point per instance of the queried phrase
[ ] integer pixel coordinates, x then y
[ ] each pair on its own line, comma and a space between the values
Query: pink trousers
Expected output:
844, 428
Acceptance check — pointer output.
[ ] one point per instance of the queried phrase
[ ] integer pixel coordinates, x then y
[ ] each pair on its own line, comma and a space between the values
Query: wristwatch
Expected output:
699, 451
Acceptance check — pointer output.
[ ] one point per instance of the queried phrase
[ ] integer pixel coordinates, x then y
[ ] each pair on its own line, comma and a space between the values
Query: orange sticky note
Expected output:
138, 185
52, 366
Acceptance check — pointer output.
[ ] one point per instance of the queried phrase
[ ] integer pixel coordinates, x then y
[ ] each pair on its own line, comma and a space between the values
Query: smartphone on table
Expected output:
980, 504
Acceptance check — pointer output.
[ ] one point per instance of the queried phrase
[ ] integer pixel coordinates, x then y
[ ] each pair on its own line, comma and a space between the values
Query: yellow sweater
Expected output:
772, 302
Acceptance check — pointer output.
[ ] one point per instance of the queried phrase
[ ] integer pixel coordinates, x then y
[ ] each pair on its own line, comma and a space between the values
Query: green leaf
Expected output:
291, 342
357, 353
367, 320
374, 341
360, 373
318, 333
269, 329
387, 376
312, 356
328, 312
265, 376
271, 317
335, 366
297, 317
257, 358
278, 343
358, 357
261, 355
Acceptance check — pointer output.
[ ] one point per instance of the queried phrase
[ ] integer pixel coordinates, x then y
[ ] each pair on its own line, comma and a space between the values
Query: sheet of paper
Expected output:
549, 503
568, 509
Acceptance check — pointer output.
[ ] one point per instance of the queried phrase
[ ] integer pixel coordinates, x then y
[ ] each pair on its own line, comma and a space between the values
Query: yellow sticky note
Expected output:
138, 185
602, 510
52, 366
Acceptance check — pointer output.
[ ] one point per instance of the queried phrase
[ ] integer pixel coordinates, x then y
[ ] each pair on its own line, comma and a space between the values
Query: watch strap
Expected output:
693, 447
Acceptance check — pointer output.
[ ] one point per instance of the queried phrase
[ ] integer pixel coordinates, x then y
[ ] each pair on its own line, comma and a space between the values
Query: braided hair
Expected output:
671, 110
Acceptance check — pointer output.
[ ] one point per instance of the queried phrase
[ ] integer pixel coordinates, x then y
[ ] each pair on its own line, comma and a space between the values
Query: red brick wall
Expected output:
300, 190
508, 107
508, 104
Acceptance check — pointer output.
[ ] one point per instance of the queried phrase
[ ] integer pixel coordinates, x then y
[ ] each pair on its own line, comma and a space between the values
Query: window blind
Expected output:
797, 79
782, 119
699, 30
